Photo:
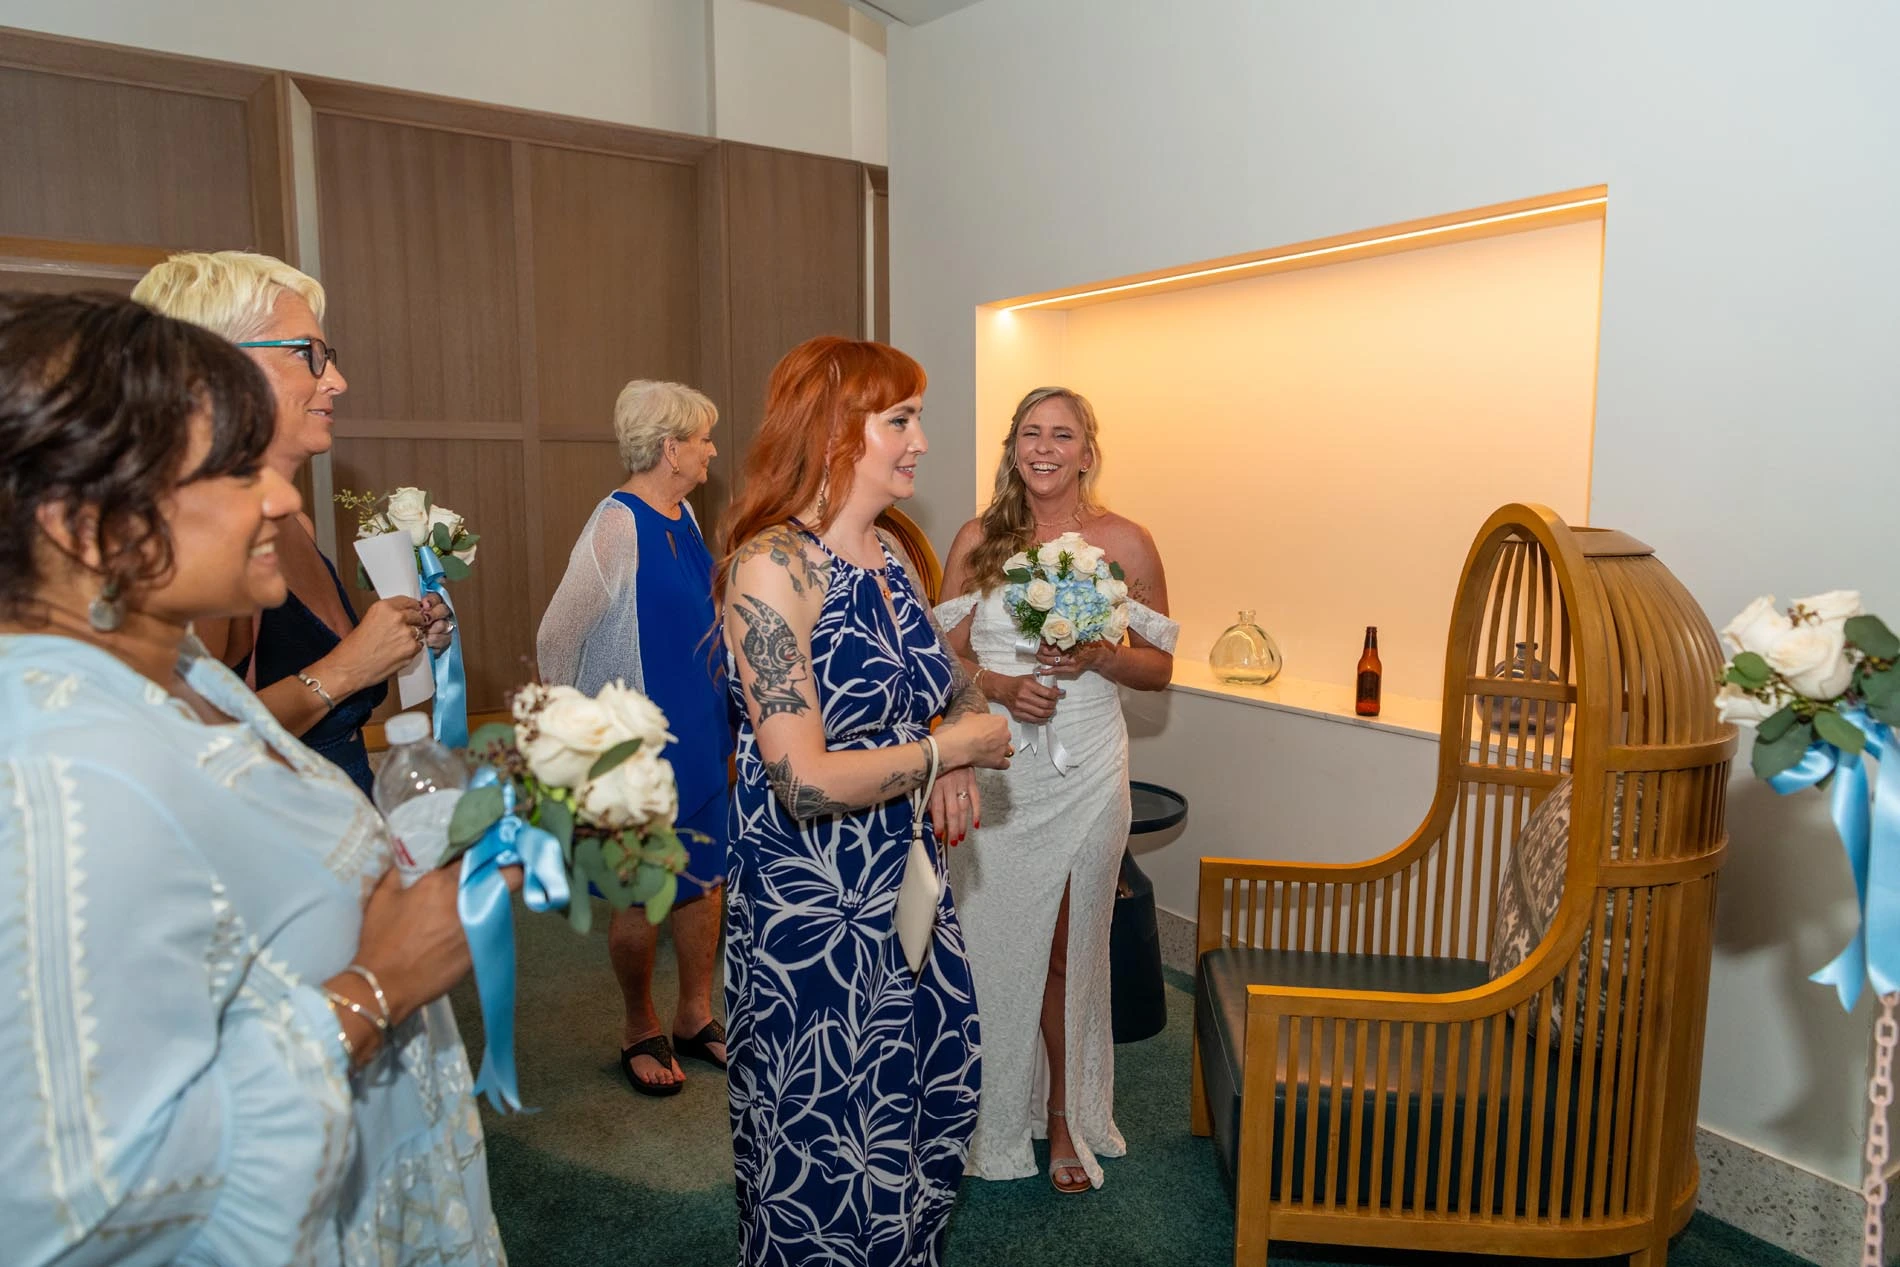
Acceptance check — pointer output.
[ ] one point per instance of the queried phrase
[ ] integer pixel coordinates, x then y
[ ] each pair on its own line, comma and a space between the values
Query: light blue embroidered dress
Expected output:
172, 1087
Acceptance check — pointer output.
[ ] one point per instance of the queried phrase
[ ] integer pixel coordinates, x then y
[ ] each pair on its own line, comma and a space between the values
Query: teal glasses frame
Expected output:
317, 354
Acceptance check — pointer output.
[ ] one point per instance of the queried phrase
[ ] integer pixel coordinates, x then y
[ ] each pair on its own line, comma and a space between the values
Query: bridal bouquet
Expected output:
437, 529
1066, 592
588, 772
1821, 682
573, 792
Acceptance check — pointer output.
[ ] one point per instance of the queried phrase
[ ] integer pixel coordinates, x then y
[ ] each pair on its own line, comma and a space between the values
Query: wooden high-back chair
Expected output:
1366, 1081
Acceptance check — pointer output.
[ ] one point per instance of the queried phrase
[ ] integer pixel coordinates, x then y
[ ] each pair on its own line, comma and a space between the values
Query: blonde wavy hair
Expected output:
1008, 524
230, 293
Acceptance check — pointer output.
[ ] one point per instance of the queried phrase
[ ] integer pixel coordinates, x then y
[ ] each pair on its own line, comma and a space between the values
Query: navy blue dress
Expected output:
684, 673
290, 639
853, 1084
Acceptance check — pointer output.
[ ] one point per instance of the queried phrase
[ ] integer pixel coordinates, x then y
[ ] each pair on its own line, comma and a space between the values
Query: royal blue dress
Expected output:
853, 1083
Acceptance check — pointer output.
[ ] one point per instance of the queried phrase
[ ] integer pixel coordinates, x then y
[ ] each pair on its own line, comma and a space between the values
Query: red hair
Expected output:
815, 403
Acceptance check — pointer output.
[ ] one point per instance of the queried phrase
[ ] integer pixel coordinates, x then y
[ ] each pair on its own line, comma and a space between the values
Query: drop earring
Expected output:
107, 612
824, 493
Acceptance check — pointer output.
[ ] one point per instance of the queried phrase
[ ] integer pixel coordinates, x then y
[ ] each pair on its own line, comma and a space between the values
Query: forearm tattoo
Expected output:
771, 651
783, 547
801, 800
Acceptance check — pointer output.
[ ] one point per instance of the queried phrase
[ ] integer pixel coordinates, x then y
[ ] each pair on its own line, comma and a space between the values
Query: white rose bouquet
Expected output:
588, 772
434, 528
1066, 592
1806, 675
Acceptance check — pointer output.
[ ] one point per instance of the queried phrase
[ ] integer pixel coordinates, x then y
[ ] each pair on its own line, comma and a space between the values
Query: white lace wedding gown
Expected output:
1041, 830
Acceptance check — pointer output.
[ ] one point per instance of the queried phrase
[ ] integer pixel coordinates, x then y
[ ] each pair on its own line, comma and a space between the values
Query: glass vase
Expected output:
1518, 716
1245, 654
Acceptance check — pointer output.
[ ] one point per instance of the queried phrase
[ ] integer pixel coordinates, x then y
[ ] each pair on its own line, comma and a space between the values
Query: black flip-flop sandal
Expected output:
661, 1052
699, 1046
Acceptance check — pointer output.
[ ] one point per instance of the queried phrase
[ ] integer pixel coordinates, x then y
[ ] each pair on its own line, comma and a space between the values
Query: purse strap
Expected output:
920, 799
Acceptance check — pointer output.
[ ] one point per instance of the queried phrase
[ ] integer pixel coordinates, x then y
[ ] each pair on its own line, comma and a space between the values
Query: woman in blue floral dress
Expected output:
853, 1079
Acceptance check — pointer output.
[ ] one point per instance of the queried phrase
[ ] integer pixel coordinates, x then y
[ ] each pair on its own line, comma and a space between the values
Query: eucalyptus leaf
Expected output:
1775, 725
557, 820
440, 539
646, 882
494, 732
662, 902
1880, 687
613, 757
1837, 730
466, 540
479, 809
1115, 570
580, 906
1871, 635
1753, 669
1771, 758
605, 876
1017, 576
1887, 710
454, 569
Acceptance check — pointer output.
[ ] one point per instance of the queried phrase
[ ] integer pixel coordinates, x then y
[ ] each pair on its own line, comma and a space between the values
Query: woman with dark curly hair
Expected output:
226, 1041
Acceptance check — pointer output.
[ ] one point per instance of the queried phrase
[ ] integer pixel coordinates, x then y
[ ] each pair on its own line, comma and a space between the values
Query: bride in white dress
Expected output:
1035, 881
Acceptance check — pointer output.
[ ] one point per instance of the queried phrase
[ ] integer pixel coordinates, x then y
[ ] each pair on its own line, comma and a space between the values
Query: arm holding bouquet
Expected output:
776, 595
1137, 664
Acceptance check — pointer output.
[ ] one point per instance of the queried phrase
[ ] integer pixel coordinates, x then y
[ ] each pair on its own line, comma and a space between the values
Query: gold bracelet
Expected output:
375, 988
343, 1000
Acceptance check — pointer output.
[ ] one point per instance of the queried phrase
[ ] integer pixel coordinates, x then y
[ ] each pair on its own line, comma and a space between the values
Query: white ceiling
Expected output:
909, 12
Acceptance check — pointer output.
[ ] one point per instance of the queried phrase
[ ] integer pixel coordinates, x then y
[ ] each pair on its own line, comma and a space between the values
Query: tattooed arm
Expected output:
773, 600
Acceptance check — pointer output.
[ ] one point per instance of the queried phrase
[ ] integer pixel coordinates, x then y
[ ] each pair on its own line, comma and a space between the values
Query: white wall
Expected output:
800, 74
1748, 385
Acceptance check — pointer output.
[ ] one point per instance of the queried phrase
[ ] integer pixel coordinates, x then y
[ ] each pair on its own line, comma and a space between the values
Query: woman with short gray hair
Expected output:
635, 605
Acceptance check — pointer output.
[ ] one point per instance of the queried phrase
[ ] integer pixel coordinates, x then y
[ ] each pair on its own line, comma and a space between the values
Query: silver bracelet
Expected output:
375, 988
344, 1001
328, 703
349, 1048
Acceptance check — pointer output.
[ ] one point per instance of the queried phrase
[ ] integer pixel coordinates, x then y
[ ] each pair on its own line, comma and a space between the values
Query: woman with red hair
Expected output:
853, 1066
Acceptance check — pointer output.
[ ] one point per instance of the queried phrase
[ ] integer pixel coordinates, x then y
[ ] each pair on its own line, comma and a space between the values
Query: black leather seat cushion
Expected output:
1221, 1021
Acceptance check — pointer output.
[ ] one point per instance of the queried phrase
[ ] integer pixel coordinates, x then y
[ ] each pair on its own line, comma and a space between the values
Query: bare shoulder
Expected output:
1126, 541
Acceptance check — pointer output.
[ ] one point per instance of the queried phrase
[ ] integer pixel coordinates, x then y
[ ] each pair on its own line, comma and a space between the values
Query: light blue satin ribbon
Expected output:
451, 683
484, 905
1869, 826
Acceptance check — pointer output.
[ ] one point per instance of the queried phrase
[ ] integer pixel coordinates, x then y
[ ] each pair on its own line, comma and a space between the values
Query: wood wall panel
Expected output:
481, 480
416, 233
796, 264
615, 282
881, 257
93, 161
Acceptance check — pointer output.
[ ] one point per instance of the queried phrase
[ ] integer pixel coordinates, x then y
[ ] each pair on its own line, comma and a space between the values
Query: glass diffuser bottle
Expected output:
1245, 654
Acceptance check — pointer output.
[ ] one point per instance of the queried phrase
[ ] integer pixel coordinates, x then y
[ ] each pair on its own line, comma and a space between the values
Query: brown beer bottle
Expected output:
1367, 702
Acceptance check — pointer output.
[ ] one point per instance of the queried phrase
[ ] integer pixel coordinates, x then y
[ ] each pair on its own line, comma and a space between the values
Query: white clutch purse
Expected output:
918, 894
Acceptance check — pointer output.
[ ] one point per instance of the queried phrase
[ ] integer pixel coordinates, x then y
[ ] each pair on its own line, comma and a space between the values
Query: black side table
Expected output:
1137, 992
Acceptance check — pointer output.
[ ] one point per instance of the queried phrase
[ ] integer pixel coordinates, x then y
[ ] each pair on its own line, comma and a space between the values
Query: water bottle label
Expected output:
419, 833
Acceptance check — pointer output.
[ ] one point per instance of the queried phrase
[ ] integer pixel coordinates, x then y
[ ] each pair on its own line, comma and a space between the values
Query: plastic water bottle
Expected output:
416, 790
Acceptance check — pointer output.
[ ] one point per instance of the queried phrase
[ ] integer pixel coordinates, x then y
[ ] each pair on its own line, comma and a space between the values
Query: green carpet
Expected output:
602, 1176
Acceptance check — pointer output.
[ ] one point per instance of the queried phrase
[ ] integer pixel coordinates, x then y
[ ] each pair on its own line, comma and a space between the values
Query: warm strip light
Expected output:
1408, 236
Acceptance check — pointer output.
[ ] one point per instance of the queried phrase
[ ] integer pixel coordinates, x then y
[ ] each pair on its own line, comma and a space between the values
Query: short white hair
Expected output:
648, 413
230, 293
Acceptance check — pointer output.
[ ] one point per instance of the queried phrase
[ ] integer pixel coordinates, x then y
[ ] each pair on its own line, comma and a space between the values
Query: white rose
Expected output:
636, 716
1059, 630
1732, 703
1813, 658
1088, 558
1758, 628
1040, 594
638, 791
446, 518
1116, 625
1016, 562
409, 512
1836, 607
567, 735
1113, 590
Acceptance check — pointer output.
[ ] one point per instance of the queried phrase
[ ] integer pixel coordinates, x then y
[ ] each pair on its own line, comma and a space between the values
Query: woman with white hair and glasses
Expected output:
319, 670
636, 606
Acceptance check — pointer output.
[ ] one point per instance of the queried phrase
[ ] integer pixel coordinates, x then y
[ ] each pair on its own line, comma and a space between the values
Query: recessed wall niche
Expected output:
1317, 438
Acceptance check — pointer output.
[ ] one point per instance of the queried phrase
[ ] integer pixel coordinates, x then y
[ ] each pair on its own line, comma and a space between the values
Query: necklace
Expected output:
1075, 518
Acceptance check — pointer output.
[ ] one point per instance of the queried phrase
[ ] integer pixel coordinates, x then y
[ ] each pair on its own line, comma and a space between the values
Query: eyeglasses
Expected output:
317, 354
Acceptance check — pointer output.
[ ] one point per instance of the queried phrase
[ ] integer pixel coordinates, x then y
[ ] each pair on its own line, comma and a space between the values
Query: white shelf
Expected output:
1327, 701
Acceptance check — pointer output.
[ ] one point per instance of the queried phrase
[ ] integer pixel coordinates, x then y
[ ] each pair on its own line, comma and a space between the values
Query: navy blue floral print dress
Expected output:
853, 1083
